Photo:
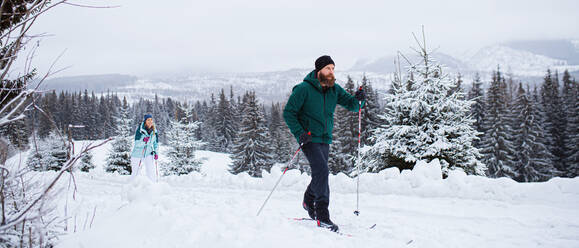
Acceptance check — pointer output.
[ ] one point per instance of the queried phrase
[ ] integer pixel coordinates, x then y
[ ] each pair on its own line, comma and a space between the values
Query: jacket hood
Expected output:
312, 80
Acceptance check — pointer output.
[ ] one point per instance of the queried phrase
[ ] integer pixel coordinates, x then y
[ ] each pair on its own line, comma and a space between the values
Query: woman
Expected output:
145, 149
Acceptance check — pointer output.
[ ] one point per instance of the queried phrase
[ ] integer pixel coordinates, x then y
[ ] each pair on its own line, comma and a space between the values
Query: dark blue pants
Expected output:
317, 155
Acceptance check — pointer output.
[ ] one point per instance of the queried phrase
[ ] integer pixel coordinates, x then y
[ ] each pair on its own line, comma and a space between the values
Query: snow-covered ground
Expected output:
410, 209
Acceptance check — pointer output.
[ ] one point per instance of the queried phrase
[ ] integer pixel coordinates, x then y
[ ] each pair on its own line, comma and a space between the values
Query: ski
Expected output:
308, 219
318, 224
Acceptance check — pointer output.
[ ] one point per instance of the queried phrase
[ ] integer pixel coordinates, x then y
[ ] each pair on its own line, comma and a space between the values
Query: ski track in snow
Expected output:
216, 209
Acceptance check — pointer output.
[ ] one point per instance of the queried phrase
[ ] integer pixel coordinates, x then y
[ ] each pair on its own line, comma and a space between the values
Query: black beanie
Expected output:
321, 62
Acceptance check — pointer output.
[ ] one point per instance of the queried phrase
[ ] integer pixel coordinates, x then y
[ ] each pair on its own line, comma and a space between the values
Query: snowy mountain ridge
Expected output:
526, 61
517, 62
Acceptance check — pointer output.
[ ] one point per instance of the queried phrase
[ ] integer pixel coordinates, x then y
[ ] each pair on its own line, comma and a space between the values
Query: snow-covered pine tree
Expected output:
119, 158
476, 94
86, 162
183, 144
76, 116
571, 119
497, 142
104, 113
49, 107
114, 104
533, 160
422, 121
94, 118
209, 134
51, 153
280, 142
161, 117
344, 146
552, 106
458, 85
251, 153
370, 113
17, 132
84, 105
225, 124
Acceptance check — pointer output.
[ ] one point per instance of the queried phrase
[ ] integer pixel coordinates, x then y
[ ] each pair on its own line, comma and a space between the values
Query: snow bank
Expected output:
425, 181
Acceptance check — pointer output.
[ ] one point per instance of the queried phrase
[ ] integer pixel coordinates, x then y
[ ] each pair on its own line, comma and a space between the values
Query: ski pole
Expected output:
156, 164
357, 211
278, 180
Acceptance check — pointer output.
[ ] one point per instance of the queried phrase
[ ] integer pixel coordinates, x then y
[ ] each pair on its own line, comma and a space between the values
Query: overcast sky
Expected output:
144, 37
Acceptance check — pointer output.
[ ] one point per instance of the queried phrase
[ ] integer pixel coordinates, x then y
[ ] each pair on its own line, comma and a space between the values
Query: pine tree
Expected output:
161, 116
344, 146
17, 132
497, 142
370, 112
92, 118
458, 85
251, 153
477, 110
183, 145
63, 113
571, 125
85, 120
209, 134
45, 125
533, 161
554, 119
76, 116
103, 113
422, 121
51, 153
119, 158
279, 139
225, 124
86, 162
571, 137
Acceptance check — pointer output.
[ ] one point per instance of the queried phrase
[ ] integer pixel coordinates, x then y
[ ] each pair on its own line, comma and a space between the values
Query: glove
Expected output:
360, 94
146, 139
155, 155
305, 138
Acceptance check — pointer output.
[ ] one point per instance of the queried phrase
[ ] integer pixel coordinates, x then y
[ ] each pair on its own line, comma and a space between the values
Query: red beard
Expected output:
327, 82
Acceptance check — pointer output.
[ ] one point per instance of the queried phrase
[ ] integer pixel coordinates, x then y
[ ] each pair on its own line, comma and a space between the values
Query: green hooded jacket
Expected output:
312, 110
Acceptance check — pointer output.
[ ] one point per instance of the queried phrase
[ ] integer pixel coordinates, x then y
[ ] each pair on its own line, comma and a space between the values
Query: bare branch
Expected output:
407, 60
92, 6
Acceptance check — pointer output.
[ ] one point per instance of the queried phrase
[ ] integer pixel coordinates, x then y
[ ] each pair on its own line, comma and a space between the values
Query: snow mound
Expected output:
143, 190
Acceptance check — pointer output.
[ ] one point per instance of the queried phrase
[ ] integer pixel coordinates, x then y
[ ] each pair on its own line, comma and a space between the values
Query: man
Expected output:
309, 115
